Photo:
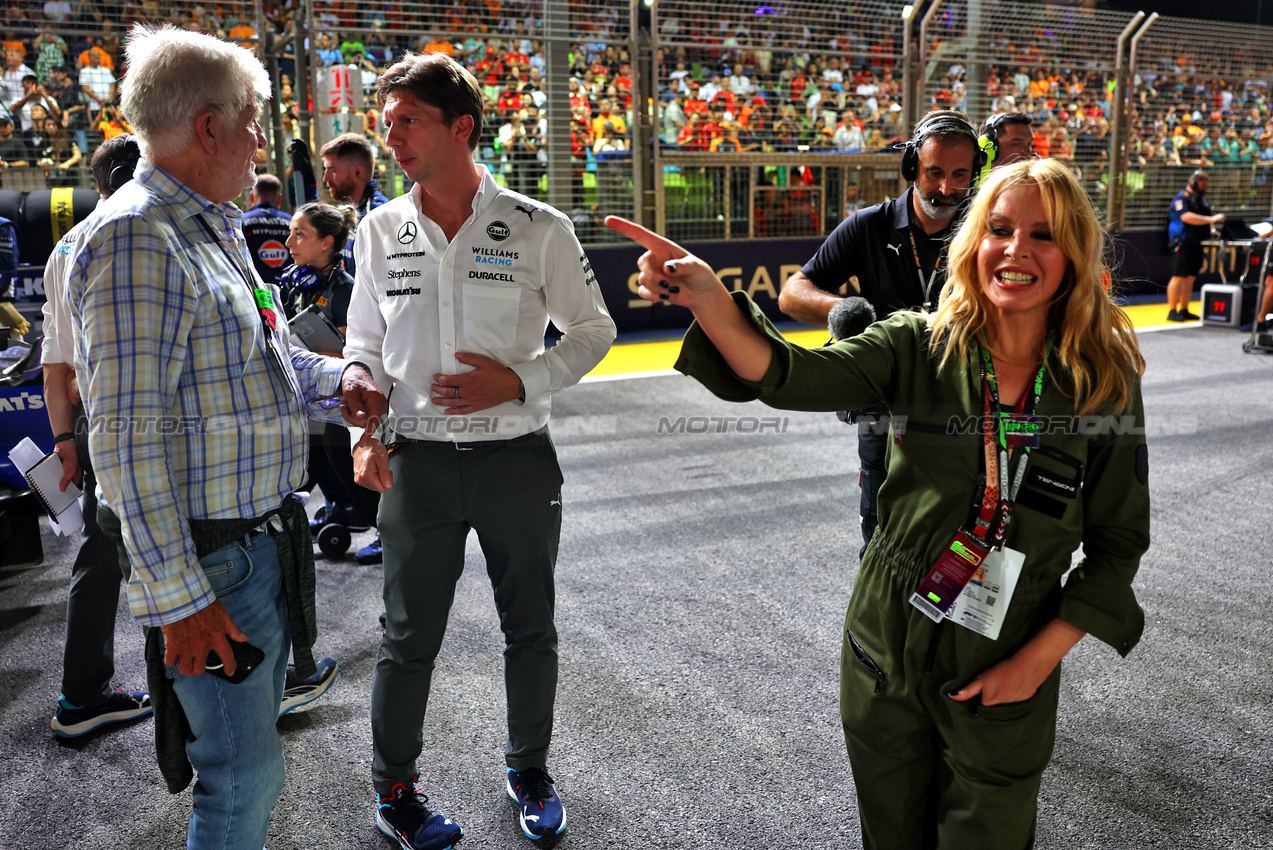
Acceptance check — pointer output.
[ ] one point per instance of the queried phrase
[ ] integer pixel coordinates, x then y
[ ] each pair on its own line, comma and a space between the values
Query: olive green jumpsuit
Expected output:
929, 771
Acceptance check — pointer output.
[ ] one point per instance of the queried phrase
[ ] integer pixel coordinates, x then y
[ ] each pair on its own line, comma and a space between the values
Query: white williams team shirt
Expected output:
418, 300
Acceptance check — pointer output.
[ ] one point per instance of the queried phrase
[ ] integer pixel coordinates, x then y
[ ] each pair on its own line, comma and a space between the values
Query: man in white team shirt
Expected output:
455, 284
88, 699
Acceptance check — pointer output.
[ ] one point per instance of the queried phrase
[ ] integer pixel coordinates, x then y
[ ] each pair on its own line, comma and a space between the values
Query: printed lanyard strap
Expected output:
261, 296
925, 287
998, 496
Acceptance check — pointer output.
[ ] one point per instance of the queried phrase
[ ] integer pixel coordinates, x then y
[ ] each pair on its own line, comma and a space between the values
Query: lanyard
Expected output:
926, 287
262, 297
1000, 434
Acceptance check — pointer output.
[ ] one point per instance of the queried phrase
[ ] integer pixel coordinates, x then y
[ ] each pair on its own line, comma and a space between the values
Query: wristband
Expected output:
63, 437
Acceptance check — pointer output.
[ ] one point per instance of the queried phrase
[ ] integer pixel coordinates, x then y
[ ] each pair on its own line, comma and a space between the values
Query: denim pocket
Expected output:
227, 569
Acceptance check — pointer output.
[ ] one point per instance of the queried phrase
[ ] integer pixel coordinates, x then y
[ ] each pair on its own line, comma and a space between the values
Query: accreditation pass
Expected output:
983, 603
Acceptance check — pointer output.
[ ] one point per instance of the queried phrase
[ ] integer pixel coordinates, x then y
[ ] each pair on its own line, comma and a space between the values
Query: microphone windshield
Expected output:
850, 317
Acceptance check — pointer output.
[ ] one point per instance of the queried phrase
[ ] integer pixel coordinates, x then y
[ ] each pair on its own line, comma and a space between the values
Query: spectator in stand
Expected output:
709, 90
97, 85
327, 52
112, 123
690, 137
13, 149
852, 201
739, 83
104, 57
60, 154
787, 131
15, 70
609, 140
51, 53
64, 90
848, 135
438, 44
606, 113
33, 99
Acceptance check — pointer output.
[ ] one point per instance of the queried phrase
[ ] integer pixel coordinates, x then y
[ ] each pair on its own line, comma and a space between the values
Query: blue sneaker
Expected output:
540, 810
403, 816
298, 692
371, 553
72, 721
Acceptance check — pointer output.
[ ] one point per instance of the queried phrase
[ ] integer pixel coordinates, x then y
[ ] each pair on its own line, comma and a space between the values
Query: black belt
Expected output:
465, 447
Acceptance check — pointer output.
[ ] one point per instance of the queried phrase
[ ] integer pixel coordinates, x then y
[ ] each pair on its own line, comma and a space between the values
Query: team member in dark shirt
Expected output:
1190, 223
266, 228
893, 253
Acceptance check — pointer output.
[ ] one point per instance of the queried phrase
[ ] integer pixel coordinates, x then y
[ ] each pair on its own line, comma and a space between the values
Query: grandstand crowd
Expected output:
716, 89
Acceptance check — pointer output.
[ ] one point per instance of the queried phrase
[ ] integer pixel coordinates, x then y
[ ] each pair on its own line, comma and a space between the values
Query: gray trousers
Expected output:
88, 660
509, 492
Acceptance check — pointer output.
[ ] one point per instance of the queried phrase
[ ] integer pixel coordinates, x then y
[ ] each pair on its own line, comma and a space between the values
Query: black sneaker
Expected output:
403, 816
298, 692
72, 721
1186, 316
540, 810
1175, 316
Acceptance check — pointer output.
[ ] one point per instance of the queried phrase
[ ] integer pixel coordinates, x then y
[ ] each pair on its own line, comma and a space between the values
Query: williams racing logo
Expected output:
497, 230
407, 233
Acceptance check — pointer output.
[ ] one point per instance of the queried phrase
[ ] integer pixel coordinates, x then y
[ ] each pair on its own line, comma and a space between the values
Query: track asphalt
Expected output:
702, 582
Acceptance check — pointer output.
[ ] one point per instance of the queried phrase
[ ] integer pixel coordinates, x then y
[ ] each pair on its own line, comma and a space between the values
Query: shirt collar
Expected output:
185, 202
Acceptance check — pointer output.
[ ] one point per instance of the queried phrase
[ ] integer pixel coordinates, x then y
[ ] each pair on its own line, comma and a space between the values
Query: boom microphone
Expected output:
850, 317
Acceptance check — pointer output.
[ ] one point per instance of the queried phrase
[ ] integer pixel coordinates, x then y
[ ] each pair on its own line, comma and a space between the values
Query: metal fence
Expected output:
53, 41
728, 120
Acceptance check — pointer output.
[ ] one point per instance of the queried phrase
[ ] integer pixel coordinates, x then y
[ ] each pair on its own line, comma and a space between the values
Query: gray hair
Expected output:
175, 74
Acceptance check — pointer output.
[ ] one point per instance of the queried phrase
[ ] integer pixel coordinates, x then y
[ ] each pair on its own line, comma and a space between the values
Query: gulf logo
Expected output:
273, 253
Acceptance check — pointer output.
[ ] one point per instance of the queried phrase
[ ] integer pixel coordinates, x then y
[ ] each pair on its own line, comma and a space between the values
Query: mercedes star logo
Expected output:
407, 232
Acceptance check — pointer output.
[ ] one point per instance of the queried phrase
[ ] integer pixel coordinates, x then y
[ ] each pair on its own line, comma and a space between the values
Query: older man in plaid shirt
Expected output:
197, 406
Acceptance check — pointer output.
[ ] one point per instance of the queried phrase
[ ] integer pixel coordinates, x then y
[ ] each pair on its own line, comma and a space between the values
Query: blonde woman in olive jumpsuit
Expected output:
949, 731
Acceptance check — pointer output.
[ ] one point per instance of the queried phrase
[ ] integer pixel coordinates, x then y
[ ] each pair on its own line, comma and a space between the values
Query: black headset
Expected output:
946, 120
125, 163
1192, 185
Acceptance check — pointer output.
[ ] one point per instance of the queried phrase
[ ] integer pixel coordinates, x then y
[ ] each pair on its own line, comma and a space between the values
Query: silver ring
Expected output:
457, 391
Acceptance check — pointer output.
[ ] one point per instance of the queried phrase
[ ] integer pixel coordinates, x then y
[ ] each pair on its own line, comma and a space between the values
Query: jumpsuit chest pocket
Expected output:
1053, 482
491, 314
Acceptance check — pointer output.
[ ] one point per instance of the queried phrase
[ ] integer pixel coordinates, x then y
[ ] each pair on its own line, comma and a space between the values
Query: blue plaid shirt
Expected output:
193, 412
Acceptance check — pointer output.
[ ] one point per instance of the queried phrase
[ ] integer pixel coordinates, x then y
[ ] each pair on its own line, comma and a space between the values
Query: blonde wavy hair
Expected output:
1095, 343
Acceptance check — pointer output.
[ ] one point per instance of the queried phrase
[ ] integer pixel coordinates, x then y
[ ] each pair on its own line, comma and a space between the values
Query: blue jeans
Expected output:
234, 745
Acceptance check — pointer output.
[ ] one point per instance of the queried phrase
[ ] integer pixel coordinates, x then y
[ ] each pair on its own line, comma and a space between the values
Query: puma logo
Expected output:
896, 250
556, 502
530, 214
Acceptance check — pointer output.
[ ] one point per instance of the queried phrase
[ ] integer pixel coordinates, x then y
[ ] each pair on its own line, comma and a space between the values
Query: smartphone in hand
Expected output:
246, 656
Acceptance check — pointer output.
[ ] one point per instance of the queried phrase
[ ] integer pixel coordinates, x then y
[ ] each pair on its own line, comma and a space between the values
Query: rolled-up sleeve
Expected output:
848, 375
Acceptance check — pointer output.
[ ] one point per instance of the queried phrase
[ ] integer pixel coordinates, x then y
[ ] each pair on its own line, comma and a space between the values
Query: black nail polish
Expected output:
952, 694
673, 289
663, 296
663, 283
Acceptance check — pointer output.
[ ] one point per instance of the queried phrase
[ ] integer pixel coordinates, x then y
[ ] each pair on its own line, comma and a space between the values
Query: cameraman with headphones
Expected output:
1005, 138
894, 253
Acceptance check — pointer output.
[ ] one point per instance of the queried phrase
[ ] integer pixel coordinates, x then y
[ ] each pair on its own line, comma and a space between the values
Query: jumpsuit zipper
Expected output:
867, 662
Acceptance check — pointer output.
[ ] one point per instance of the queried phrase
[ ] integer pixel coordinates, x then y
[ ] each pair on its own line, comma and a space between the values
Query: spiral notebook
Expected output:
44, 473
